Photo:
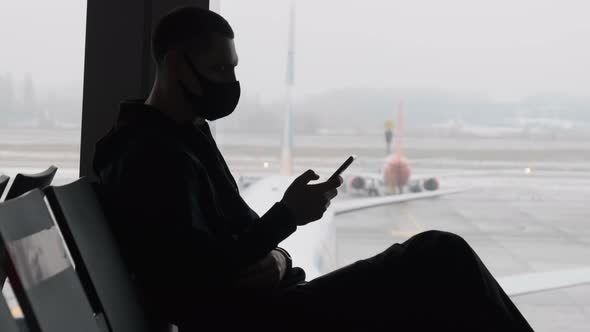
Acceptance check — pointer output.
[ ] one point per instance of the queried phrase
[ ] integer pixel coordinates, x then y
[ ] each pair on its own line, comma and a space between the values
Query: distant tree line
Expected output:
353, 110
367, 110
21, 105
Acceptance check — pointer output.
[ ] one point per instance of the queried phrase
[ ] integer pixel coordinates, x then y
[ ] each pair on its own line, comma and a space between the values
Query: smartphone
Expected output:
343, 167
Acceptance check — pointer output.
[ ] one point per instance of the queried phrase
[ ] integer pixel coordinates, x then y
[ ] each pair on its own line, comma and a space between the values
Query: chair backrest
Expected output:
40, 272
7, 322
3, 183
97, 258
26, 182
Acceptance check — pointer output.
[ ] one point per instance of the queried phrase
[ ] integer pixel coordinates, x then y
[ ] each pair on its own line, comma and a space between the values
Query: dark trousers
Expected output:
432, 282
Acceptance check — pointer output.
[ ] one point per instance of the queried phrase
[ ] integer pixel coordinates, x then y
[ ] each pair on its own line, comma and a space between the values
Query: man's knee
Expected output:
445, 256
441, 243
440, 237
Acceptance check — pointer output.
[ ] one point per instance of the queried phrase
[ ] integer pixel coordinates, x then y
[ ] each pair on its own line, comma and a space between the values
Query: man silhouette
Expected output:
205, 261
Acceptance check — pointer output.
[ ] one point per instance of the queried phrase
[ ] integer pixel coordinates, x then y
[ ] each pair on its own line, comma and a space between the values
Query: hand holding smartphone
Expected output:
308, 202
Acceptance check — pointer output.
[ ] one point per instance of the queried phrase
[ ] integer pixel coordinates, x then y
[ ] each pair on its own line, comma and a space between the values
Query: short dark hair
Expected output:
187, 25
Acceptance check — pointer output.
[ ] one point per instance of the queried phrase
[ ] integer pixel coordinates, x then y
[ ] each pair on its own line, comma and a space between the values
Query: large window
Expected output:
41, 70
495, 98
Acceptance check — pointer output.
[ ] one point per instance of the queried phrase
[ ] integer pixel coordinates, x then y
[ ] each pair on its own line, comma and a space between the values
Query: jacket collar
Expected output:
137, 112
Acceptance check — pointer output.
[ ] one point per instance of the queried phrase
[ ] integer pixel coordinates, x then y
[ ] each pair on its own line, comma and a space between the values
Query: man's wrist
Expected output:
288, 260
288, 212
281, 262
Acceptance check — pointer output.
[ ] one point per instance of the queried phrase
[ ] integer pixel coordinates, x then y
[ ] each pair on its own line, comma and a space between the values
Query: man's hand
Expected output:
266, 274
308, 202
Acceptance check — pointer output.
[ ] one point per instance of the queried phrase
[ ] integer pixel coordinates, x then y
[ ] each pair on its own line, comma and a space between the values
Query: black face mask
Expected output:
218, 100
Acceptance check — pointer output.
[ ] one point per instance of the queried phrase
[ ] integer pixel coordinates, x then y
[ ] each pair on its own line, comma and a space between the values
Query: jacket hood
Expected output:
136, 122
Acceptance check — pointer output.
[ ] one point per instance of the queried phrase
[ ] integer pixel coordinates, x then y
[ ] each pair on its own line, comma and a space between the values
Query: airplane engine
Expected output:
358, 183
415, 187
431, 184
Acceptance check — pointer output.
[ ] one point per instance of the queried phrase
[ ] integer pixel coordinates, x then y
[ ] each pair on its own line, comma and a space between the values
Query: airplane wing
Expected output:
375, 176
536, 282
352, 205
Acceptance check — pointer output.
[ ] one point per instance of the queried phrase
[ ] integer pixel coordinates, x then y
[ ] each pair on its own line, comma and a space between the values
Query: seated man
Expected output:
206, 262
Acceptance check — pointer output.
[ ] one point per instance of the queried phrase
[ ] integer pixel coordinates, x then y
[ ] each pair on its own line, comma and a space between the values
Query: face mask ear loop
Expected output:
194, 70
183, 87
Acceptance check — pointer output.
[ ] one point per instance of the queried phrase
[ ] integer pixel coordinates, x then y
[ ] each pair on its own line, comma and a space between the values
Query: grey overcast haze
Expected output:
505, 50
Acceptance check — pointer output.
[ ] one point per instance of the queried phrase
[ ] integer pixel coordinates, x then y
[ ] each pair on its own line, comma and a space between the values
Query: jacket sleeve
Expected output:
163, 189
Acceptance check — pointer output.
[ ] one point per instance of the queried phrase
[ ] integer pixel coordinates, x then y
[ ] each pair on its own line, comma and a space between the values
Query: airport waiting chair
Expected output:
24, 182
46, 286
97, 258
7, 322
3, 183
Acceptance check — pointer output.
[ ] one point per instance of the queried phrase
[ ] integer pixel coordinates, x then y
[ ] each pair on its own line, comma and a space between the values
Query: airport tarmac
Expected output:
517, 221
514, 226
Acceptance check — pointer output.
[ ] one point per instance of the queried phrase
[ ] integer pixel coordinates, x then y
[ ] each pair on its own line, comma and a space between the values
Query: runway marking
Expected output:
418, 228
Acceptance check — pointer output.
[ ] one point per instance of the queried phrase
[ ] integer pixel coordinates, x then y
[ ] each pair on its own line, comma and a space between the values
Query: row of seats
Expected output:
64, 266
25, 182
21, 184
3, 183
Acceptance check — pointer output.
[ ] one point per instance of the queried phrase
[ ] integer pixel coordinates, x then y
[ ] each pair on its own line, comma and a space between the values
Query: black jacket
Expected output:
177, 213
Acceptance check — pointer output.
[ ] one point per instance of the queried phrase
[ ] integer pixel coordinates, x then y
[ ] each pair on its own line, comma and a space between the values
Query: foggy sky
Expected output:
46, 39
504, 49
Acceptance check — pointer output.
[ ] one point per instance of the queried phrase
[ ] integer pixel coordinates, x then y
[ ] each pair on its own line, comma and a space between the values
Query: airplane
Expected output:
396, 175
